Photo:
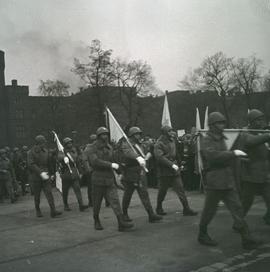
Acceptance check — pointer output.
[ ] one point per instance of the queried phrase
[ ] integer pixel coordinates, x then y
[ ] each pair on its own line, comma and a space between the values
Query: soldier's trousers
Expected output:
75, 184
165, 182
130, 187
109, 192
231, 200
45, 186
250, 190
6, 184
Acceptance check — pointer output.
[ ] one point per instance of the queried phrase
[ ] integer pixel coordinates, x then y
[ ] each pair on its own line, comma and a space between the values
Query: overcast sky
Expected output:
41, 37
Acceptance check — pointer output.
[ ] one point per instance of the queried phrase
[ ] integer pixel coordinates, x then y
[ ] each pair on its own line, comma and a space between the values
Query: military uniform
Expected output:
39, 162
134, 178
220, 184
100, 156
70, 175
255, 170
23, 169
166, 157
6, 177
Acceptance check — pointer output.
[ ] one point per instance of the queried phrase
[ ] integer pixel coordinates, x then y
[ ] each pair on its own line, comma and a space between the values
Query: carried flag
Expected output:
198, 158
206, 119
116, 132
166, 119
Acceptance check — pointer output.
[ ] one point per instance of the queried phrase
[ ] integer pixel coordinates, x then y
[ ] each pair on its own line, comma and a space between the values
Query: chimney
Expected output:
14, 82
2, 69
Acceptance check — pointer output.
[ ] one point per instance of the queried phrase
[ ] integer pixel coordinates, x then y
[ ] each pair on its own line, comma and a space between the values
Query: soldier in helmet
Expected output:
255, 170
134, 176
6, 176
70, 173
220, 182
168, 170
101, 159
23, 169
40, 167
89, 171
10, 156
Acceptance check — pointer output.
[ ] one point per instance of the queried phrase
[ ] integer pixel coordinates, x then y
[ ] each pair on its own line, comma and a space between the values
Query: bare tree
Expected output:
134, 79
246, 74
193, 81
97, 72
266, 82
217, 76
54, 90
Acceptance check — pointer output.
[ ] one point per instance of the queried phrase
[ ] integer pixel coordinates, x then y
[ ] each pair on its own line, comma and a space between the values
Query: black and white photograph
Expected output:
135, 136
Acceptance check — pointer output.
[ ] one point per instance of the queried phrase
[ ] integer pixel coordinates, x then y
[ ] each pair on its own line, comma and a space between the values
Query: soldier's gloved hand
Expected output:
141, 161
115, 166
148, 156
239, 153
44, 175
175, 167
66, 160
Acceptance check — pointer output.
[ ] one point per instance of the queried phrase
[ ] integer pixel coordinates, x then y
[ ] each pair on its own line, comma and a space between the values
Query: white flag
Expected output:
116, 132
198, 158
166, 119
206, 119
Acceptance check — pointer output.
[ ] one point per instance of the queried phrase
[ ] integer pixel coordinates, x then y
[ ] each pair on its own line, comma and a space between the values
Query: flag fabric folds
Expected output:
166, 119
198, 158
206, 119
116, 132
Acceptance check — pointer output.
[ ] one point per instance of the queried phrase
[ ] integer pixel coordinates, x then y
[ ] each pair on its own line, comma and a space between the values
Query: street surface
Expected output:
70, 243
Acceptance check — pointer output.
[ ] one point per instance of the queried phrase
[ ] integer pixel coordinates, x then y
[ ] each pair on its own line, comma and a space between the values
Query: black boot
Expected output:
55, 213
205, 239
38, 213
122, 225
126, 218
160, 210
83, 207
67, 208
189, 212
248, 242
266, 219
98, 225
154, 218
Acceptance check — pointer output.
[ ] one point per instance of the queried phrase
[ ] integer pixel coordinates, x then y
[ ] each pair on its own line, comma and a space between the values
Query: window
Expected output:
20, 132
19, 114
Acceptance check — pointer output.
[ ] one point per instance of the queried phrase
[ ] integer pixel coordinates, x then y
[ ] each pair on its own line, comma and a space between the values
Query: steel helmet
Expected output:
134, 130
102, 130
215, 117
2, 151
254, 114
24, 148
40, 139
165, 129
92, 137
67, 140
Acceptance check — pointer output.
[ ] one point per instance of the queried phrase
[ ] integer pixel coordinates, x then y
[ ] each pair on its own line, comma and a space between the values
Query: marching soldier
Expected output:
23, 171
168, 171
6, 176
220, 182
100, 156
70, 173
134, 176
40, 168
255, 170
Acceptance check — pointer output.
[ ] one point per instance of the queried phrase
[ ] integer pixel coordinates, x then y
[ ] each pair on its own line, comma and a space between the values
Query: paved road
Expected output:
70, 243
